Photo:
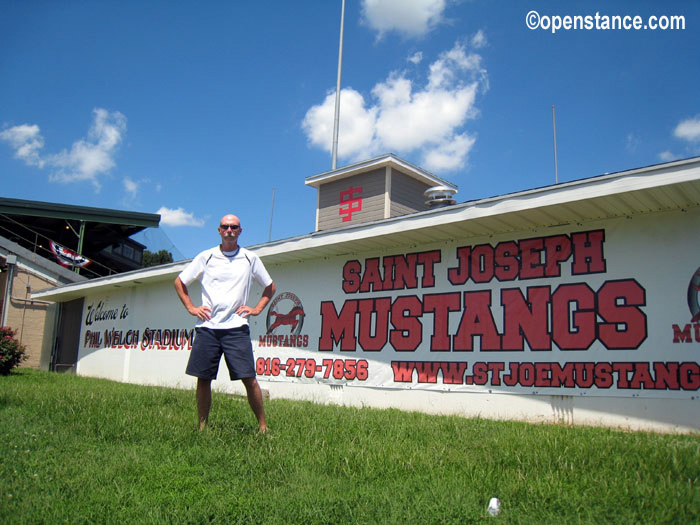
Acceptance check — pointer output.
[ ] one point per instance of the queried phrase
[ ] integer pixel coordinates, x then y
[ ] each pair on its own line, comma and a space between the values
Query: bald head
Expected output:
230, 219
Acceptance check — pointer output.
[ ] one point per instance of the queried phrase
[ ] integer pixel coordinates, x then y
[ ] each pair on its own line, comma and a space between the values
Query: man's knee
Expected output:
249, 382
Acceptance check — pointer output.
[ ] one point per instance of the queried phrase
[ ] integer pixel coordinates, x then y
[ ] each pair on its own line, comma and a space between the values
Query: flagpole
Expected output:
272, 210
336, 122
556, 169
81, 238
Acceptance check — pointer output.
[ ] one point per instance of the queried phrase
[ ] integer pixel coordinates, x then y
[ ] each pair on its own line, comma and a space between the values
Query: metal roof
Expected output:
376, 163
32, 223
67, 211
663, 187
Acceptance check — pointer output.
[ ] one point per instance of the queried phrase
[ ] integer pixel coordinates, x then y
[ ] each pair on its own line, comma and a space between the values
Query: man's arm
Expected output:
268, 293
203, 313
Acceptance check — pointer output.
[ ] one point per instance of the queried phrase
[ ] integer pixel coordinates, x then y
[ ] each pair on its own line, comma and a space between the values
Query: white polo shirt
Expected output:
225, 281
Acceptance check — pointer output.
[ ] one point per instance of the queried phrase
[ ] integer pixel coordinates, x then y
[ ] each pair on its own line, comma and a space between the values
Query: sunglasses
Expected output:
229, 226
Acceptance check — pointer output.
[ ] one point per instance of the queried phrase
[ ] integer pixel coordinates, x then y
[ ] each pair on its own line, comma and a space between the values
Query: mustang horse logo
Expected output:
294, 318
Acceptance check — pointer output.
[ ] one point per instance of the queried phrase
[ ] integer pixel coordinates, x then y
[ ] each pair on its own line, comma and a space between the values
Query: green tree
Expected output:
154, 259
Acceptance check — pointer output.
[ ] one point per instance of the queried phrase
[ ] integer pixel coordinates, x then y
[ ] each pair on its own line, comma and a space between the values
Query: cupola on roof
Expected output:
375, 189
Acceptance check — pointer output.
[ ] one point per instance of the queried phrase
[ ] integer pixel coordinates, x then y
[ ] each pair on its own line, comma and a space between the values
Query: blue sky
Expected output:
197, 109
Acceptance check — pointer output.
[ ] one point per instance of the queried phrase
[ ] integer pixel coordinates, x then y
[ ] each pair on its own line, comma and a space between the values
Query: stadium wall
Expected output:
577, 303
591, 324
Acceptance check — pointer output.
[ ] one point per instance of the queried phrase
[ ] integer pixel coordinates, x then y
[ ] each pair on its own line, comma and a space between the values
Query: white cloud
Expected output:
430, 116
415, 58
479, 39
178, 217
688, 130
133, 190
453, 63
405, 118
87, 158
632, 143
410, 18
131, 186
450, 154
357, 124
27, 141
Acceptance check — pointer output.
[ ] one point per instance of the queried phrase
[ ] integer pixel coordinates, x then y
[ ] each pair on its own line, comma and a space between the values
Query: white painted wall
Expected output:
658, 251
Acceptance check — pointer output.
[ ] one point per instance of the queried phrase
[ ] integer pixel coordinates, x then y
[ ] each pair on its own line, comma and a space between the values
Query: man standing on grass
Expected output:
225, 273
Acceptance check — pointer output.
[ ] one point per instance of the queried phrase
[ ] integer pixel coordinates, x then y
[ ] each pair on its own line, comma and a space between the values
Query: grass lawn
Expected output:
81, 450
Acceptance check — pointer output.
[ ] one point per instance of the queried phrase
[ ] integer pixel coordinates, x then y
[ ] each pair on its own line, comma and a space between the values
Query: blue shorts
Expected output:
233, 343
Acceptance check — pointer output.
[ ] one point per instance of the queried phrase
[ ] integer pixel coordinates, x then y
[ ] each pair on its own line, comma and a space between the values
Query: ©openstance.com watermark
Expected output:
599, 22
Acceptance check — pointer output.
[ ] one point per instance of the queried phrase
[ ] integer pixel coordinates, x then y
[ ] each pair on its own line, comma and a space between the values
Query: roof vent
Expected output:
439, 196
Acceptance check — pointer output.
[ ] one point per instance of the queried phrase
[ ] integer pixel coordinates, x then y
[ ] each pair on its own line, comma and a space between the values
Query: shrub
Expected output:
11, 351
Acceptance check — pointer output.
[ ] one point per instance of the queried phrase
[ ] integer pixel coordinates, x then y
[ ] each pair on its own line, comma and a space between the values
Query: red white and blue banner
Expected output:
68, 258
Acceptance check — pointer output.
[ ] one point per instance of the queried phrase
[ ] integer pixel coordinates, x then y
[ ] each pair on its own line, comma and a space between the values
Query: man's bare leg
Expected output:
255, 401
203, 401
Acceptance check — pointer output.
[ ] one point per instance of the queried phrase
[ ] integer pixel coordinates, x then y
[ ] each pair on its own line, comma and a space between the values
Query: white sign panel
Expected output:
140, 335
605, 311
